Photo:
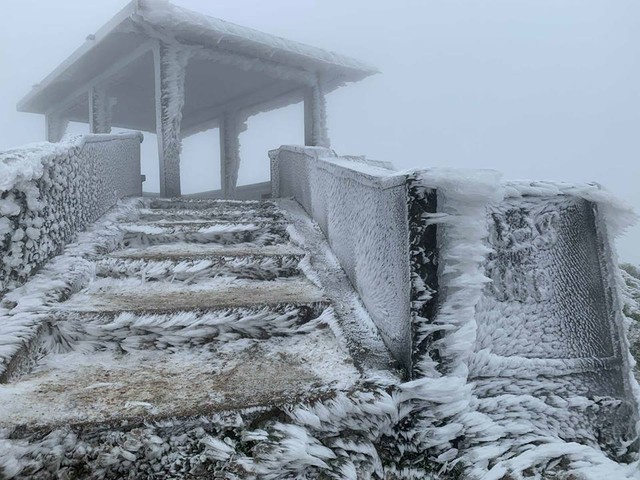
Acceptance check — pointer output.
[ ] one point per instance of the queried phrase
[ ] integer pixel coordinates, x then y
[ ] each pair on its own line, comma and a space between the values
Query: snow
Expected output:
26, 164
180, 21
51, 191
103, 109
54, 282
232, 125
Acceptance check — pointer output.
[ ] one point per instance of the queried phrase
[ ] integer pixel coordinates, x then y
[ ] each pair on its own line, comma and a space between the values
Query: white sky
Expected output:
539, 89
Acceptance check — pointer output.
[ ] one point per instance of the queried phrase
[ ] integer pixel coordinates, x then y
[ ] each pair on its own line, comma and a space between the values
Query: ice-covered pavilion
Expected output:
156, 67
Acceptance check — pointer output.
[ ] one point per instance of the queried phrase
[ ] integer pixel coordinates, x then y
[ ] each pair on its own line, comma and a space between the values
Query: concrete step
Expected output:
128, 331
192, 251
225, 234
110, 387
204, 204
190, 270
198, 222
131, 295
217, 214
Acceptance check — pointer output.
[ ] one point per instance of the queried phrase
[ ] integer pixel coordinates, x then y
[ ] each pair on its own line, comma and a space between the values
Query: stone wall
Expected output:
49, 192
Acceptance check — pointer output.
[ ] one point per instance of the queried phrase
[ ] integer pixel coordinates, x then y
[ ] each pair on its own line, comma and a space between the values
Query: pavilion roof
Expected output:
232, 66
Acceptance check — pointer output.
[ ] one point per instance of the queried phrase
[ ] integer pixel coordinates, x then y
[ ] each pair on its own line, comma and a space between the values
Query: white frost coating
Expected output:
250, 64
473, 409
316, 109
462, 201
337, 432
27, 163
365, 221
586, 463
440, 397
233, 123
618, 214
102, 110
56, 127
173, 63
51, 191
162, 13
543, 374
60, 277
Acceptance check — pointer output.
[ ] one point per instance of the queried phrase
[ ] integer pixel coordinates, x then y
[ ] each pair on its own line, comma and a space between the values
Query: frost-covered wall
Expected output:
362, 210
49, 192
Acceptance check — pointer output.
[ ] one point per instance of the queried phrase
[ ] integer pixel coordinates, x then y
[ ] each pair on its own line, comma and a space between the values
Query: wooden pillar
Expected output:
170, 66
100, 108
231, 125
55, 127
315, 118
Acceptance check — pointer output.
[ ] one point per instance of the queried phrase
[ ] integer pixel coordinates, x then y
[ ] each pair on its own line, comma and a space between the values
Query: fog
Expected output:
538, 89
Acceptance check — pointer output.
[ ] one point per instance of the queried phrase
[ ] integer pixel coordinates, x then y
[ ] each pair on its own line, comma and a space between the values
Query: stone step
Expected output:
189, 270
225, 234
129, 331
203, 204
125, 331
192, 251
217, 214
110, 387
131, 295
196, 222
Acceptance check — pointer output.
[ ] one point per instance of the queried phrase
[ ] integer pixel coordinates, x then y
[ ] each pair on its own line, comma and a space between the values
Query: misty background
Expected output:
538, 89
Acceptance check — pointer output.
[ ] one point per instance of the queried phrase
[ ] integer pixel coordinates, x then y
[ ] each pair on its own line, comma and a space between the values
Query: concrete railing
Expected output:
362, 210
49, 192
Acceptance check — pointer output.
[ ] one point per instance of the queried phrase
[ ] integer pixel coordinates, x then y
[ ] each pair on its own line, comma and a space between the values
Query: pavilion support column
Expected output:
100, 109
170, 67
232, 125
55, 126
315, 118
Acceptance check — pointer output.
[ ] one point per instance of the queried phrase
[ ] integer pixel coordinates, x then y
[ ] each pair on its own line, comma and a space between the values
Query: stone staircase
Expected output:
197, 307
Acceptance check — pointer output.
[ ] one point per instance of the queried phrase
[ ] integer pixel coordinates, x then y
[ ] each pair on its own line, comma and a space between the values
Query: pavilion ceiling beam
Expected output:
261, 100
252, 64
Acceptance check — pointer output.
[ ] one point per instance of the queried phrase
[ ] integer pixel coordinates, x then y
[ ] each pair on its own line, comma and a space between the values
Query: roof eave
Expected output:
25, 104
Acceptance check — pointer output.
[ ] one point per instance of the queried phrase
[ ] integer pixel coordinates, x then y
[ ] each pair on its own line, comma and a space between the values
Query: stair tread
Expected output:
185, 250
76, 388
132, 295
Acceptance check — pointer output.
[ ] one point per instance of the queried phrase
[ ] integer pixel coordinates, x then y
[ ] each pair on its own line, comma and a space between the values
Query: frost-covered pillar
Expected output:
315, 118
170, 66
232, 125
55, 126
100, 109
